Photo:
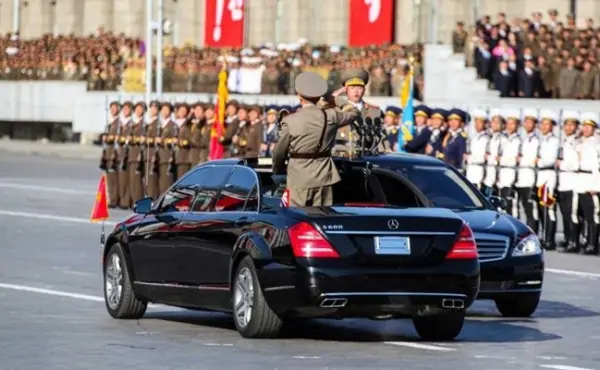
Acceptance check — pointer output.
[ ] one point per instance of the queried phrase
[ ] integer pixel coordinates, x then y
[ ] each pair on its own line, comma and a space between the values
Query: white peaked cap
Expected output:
570, 114
512, 114
549, 114
496, 112
530, 112
589, 116
479, 113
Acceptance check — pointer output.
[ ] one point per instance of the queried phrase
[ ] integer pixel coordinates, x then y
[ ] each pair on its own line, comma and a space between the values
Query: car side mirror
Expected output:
143, 206
498, 202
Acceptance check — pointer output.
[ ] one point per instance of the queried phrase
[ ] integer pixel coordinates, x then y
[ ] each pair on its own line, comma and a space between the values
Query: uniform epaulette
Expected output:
347, 108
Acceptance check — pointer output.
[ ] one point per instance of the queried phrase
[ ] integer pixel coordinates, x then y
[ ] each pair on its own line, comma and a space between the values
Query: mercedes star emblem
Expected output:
393, 224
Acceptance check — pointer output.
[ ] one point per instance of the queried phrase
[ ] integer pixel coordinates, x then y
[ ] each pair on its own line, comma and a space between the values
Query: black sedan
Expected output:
510, 253
221, 240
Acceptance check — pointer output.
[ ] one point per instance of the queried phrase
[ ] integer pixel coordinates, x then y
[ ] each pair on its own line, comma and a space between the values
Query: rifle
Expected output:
174, 136
103, 159
140, 167
124, 160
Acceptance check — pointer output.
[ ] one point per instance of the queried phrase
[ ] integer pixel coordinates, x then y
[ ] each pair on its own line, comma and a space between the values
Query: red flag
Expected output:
546, 199
371, 22
217, 130
100, 210
224, 23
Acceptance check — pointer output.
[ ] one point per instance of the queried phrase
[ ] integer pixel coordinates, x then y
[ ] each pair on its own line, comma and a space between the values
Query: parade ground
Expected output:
52, 313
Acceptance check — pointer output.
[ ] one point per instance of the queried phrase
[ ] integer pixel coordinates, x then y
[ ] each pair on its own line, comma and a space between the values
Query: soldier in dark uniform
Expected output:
198, 129
270, 130
438, 118
459, 38
150, 155
454, 145
168, 132
237, 150
252, 133
231, 126
391, 126
422, 131
109, 153
125, 138
183, 141
210, 118
135, 164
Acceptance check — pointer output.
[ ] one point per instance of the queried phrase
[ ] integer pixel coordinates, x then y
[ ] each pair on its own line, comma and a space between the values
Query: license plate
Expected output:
392, 245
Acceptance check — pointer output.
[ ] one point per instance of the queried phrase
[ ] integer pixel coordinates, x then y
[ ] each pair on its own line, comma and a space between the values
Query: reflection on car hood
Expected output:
489, 221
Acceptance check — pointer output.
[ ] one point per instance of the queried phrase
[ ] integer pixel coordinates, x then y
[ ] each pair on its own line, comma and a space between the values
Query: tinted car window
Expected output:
237, 189
179, 198
442, 186
214, 179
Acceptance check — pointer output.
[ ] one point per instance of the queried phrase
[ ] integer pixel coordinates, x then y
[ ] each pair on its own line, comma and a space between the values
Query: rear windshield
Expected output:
442, 186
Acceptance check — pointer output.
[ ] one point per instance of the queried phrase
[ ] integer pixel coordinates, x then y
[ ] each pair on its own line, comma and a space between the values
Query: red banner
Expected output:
371, 22
224, 23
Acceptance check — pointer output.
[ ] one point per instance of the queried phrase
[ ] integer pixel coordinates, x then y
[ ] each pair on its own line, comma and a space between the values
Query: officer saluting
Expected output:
546, 166
307, 136
477, 149
589, 179
454, 145
568, 165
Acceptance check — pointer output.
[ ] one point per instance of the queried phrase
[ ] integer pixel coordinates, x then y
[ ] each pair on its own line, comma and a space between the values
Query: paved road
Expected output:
52, 315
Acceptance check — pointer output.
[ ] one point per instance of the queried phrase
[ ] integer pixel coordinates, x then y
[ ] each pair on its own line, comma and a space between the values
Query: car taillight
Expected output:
464, 248
285, 198
308, 242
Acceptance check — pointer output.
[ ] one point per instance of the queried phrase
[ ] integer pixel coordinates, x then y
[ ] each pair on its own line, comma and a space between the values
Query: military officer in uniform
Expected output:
477, 149
547, 174
125, 139
253, 133
422, 131
390, 122
589, 180
568, 165
527, 168
509, 152
151, 164
109, 153
135, 163
183, 140
231, 127
168, 134
307, 137
270, 130
454, 145
438, 131
198, 130
492, 153
237, 149
209, 120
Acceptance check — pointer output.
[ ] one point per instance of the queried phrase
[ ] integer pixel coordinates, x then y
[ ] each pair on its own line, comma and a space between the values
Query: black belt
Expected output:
547, 168
325, 154
476, 164
582, 171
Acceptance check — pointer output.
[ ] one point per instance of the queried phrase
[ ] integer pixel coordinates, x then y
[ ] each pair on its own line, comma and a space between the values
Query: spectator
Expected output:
108, 61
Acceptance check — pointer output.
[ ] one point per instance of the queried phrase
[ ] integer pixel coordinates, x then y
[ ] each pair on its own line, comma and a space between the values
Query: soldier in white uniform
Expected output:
589, 180
526, 169
568, 165
547, 174
510, 146
496, 134
477, 149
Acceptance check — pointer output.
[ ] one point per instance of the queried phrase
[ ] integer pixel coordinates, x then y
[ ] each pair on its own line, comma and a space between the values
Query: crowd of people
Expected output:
110, 62
536, 58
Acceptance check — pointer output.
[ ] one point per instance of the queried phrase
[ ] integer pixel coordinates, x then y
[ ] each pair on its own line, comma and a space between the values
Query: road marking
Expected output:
564, 367
58, 293
51, 217
306, 357
421, 346
573, 273
46, 189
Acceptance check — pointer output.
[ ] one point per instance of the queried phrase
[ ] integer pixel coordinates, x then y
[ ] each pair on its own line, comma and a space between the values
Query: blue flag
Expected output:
407, 127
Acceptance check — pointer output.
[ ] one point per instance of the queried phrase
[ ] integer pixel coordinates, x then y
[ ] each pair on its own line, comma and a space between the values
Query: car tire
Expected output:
119, 298
521, 305
440, 327
259, 321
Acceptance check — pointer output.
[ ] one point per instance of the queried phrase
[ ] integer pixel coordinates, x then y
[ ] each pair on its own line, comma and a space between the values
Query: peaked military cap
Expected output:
439, 113
355, 77
287, 108
310, 85
272, 109
479, 114
393, 111
590, 119
422, 110
570, 115
530, 113
548, 115
458, 114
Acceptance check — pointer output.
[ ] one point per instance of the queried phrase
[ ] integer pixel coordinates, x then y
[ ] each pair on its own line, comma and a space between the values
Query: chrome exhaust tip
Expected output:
454, 304
333, 303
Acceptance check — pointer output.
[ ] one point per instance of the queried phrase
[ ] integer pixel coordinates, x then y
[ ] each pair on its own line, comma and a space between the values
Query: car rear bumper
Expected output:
513, 275
305, 291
